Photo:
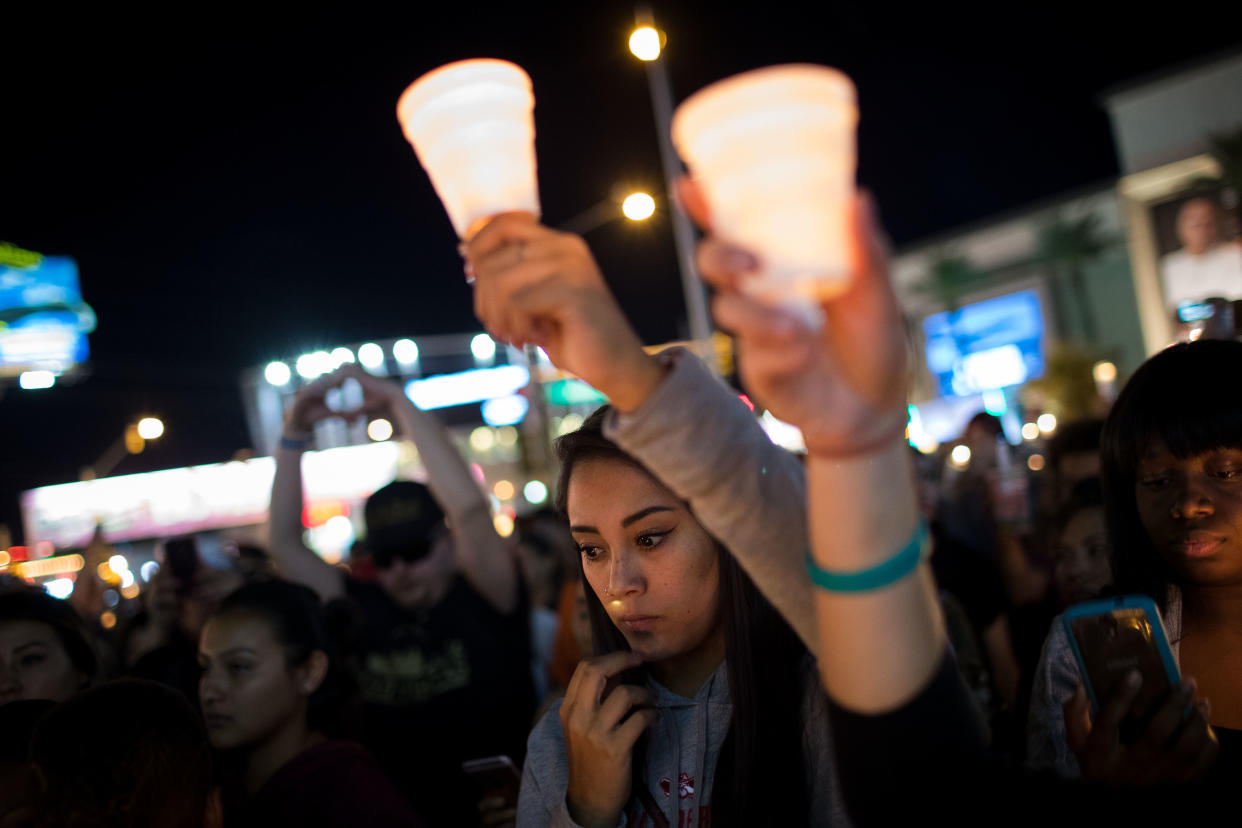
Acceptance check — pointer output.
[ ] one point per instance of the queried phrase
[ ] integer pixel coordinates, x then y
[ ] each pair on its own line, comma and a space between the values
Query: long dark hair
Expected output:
298, 624
765, 662
1189, 397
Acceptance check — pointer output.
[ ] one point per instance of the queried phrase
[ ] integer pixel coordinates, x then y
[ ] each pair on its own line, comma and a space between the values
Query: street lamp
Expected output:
635, 206
647, 42
132, 441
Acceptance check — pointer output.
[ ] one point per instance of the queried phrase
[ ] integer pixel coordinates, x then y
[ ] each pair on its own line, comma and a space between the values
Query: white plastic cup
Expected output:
472, 126
774, 153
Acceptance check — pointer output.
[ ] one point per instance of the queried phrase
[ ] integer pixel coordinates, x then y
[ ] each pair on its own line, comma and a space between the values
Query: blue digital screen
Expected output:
987, 345
43, 320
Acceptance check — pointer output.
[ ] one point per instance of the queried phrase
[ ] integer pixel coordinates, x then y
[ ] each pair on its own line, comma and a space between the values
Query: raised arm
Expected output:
484, 558
881, 639
294, 560
540, 286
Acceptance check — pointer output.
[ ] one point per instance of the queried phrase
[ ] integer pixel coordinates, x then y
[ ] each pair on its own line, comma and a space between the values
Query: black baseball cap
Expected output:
403, 521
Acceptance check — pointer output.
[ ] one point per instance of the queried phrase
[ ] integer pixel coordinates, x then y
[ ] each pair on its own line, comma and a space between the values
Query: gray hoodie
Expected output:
682, 749
750, 495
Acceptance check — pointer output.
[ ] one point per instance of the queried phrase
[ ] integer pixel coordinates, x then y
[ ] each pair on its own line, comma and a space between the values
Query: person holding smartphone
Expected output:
1172, 473
442, 656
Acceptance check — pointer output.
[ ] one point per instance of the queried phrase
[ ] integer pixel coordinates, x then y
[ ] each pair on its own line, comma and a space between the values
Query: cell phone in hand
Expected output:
494, 777
1114, 636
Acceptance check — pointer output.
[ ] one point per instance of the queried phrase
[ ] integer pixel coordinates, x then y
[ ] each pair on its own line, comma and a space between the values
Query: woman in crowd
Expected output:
1172, 474
268, 690
700, 703
45, 650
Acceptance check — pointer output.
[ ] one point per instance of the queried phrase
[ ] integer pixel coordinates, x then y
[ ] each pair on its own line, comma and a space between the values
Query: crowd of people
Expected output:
709, 630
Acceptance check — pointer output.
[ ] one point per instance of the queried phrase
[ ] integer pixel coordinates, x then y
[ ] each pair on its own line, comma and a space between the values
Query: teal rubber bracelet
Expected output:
875, 577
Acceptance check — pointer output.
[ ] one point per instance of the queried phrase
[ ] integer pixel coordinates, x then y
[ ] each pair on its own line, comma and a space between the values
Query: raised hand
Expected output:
540, 286
844, 384
601, 729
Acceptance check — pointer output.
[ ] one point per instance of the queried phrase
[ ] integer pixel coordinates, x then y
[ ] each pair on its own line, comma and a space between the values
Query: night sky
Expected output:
235, 188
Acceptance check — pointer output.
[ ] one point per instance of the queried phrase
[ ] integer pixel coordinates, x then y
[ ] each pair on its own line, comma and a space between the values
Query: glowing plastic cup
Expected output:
472, 127
773, 151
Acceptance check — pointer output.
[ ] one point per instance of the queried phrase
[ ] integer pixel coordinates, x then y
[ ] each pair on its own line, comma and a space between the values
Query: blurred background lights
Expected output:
4, 557
1030, 431
503, 489
371, 355
505, 411
379, 430
482, 438
960, 456
127, 581
1035, 462
32, 380
638, 206
570, 422
503, 524
118, 563
130, 591
341, 356
645, 43
1104, 372
506, 436
59, 588
277, 373
483, 347
1047, 423
150, 428
535, 492
405, 351
107, 620
148, 570
313, 365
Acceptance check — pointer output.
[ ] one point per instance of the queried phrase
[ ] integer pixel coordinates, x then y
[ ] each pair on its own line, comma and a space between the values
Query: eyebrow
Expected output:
38, 642
227, 653
632, 519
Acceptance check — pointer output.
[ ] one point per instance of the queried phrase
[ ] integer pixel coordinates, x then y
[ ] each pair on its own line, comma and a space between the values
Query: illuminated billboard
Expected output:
198, 498
43, 320
985, 346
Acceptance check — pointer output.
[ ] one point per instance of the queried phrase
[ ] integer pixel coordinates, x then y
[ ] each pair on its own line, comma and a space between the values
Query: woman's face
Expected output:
34, 664
247, 689
1192, 511
648, 560
1082, 569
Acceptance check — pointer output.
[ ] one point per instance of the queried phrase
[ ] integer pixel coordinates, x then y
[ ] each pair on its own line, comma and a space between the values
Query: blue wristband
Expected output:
875, 577
294, 445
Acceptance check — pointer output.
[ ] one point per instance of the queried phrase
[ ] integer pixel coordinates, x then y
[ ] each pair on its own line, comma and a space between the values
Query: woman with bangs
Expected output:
1171, 467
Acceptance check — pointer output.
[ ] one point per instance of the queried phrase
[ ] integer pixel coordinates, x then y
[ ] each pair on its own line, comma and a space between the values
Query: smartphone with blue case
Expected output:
1110, 638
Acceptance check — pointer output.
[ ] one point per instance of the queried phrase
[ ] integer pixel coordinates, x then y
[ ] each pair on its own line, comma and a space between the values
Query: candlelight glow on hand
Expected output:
773, 152
471, 124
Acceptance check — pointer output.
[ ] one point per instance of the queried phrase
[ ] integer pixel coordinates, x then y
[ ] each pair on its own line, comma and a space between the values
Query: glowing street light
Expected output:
638, 207
406, 351
483, 347
341, 356
1030, 431
960, 456
379, 430
150, 428
371, 356
645, 43
277, 373
311, 366
1047, 423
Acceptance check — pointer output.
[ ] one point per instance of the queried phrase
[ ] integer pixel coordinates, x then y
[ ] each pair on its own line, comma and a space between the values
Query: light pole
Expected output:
132, 441
646, 43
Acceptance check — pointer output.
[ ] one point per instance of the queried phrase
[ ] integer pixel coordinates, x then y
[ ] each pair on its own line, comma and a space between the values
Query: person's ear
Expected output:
310, 675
